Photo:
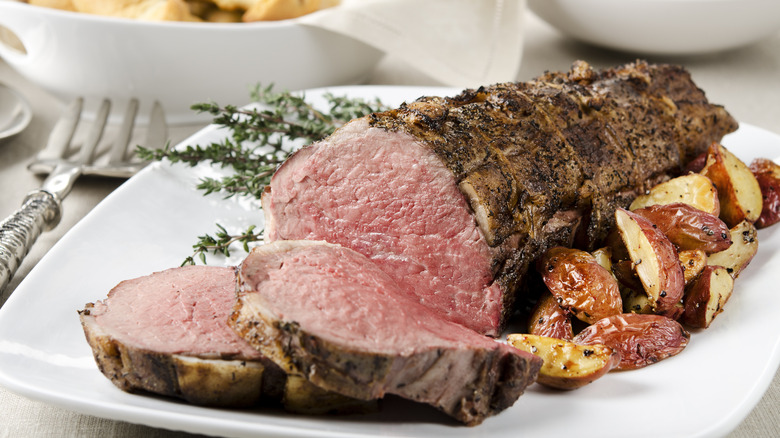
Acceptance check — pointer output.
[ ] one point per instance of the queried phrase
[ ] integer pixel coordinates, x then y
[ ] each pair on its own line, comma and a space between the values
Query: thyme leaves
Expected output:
221, 242
259, 138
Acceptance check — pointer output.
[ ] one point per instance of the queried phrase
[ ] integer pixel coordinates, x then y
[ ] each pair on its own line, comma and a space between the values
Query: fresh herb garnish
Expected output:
260, 138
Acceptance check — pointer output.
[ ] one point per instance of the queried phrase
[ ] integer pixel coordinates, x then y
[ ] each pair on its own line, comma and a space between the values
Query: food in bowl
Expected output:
192, 10
175, 63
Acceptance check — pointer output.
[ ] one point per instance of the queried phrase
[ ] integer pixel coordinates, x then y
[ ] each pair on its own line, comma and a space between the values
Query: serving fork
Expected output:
64, 160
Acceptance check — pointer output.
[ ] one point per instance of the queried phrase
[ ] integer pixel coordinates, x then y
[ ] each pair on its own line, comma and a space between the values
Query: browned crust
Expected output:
229, 383
211, 382
577, 144
495, 379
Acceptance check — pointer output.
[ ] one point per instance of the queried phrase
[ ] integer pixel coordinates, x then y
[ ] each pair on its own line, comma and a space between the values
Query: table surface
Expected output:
746, 81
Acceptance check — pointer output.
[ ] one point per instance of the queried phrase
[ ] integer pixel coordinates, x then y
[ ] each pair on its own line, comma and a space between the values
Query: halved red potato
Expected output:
697, 164
705, 297
640, 339
566, 365
617, 248
579, 283
693, 262
693, 189
738, 190
655, 261
741, 252
688, 227
767, 173
603, 257
626, 275
636, 301
548, 318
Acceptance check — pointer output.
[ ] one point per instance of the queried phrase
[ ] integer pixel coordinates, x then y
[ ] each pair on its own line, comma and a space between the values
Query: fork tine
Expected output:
95, 133
119, 160
62, 133
157, 132
119, 148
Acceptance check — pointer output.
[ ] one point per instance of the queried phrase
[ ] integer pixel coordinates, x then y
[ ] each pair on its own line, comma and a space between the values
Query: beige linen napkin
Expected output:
460, 43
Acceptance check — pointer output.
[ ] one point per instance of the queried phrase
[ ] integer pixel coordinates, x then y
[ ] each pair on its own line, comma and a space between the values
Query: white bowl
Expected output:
670, 27
178, 64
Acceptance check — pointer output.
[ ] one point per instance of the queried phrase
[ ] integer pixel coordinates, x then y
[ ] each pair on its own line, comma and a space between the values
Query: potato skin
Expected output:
636, 301
738, 189
767, 173
549, 319
687, 227
739, 255
693, 262
706, 297
655, 261
567, 365
692, 189
580, 284
626, 275
640, 339
697, 164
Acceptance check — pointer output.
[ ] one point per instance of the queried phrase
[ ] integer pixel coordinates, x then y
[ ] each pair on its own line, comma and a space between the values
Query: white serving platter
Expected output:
150, 223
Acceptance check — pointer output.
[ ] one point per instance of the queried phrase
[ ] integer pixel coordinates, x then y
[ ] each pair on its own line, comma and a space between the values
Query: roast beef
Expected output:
167, 333
331, 315
455, 197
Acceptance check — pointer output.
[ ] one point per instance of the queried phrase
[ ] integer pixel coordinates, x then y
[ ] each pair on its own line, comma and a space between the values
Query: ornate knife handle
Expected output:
40, 211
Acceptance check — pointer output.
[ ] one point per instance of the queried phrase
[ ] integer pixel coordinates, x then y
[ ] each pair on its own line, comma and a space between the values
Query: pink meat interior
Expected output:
390, 198
177, 311
346, 299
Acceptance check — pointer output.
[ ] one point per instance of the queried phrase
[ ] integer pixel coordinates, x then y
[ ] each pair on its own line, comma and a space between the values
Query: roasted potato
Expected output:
636, 301
697, 164
688, 227
626, 275
640, 339
580, 284
741, 252
767, 173
603, 257
147, 10
264, 10
693, 189
616, 246
220, 11
655, 261
693, 262
65, 5
738, 190
549, 319
706, 296
566, 365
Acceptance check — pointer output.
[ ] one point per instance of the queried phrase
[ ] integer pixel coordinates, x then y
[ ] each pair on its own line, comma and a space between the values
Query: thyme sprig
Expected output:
260, 138
221, 242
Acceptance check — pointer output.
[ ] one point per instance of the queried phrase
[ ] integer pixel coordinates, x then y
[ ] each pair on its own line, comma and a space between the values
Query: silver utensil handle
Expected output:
40, 211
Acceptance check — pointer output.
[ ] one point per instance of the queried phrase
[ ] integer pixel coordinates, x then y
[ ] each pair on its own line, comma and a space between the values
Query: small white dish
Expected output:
663, 27
15, 112
176, 63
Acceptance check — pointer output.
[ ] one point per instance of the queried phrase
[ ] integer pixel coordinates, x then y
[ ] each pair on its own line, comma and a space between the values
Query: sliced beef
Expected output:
455, 197
331, 315
167, 333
